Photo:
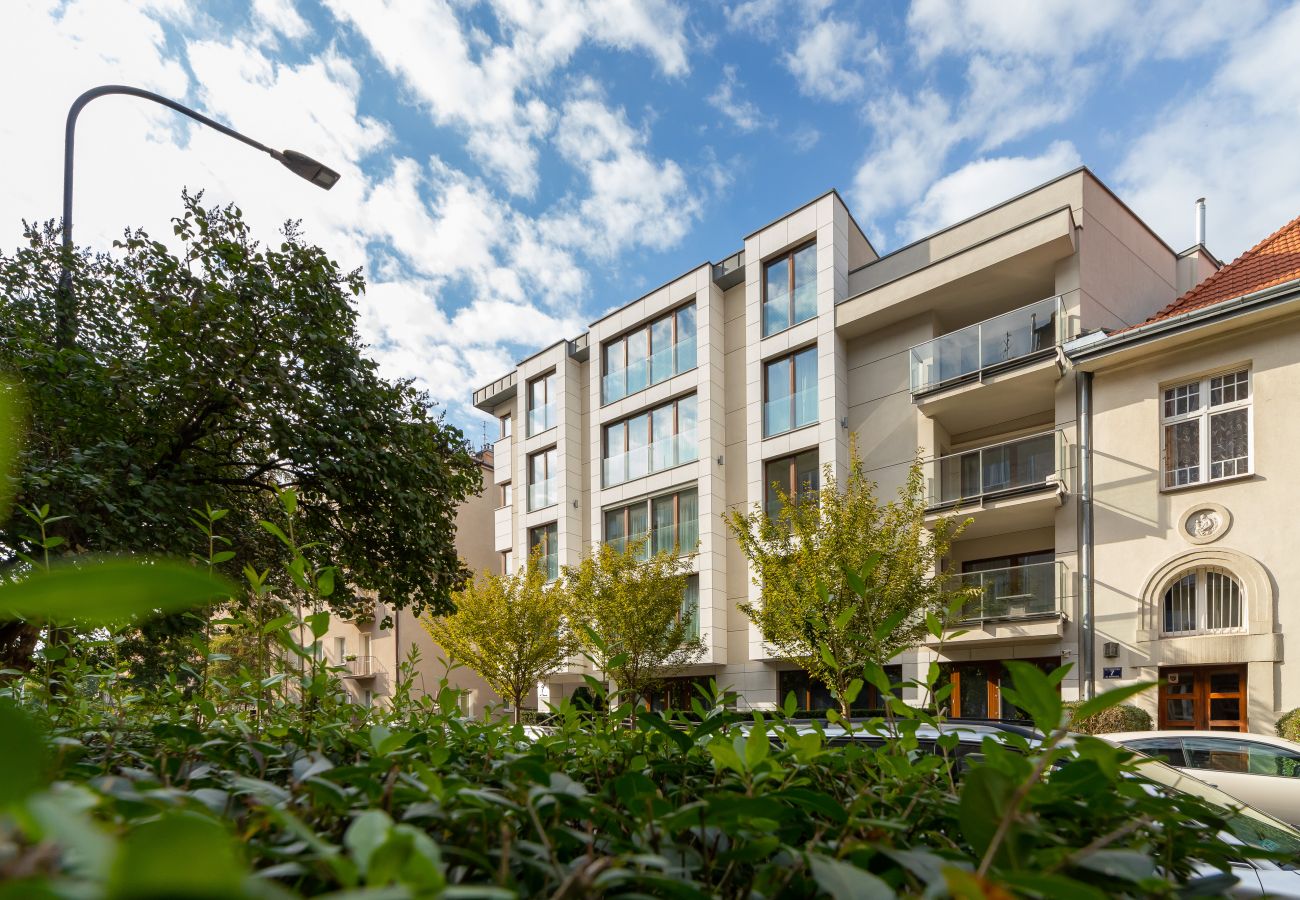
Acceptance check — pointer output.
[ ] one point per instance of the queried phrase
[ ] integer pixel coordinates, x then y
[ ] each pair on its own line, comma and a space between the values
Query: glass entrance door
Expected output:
1203, 698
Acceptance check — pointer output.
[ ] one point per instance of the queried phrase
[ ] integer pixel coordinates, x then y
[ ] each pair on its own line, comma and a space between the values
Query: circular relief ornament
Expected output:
1205, 522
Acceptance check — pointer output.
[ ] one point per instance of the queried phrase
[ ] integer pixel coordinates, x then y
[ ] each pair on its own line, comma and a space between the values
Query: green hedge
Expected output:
1124, 717
1288, 726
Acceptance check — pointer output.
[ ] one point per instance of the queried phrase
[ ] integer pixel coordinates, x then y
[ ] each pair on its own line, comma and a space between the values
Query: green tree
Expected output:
628, 616
220, 374
510, 629
846, 579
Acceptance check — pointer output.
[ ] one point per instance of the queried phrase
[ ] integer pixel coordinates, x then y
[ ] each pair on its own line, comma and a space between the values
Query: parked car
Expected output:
1260, 771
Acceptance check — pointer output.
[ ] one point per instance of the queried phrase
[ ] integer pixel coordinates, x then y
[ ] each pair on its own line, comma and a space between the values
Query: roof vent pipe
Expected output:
1200, 221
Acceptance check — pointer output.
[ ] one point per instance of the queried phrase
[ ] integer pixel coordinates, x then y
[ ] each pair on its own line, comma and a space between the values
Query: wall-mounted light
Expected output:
844, 421
719, 459
575, 504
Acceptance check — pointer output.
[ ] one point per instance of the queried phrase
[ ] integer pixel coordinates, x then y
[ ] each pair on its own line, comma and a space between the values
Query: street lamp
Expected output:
300, 164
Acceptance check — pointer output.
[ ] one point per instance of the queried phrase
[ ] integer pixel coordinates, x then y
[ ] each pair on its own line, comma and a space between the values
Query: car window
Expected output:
1218, 754
1167, 749
1268, 760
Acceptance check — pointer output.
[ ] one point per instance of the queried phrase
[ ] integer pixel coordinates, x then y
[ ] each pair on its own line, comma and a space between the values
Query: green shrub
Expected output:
1124, 717
1288, 725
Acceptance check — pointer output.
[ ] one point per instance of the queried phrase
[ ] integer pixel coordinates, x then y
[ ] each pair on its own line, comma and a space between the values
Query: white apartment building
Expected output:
695, 398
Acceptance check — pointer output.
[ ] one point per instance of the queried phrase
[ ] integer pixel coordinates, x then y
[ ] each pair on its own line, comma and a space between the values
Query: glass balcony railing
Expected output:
1020, 465
663, 454
541, 418
790, 412
679, 539
550, 562
1015, 336
1016, 592
639, 375
541, 494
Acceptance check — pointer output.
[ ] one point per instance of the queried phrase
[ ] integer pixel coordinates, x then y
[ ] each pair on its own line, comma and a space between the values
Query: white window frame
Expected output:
1202, 415
1200, 597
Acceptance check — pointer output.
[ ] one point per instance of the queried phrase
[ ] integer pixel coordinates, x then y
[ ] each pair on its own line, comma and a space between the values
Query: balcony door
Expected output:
1203, 698
977, 688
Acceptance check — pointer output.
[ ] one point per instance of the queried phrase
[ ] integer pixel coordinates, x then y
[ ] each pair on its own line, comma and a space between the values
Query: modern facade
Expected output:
371, 652
1194, 420
758, 370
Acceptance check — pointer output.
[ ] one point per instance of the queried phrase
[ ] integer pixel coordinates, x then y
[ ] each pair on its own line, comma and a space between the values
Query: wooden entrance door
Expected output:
1203, 698
977, 688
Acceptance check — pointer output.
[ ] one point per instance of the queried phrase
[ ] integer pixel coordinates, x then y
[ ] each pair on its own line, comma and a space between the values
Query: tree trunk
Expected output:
518, 702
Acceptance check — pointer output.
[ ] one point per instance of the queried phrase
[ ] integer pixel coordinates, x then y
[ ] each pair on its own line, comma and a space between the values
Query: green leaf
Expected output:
1131, 865
325, 581
22, 755
12, 413
365, 835
655, 722
845, 881
179, 855
1035, 693
277, 623
845, 616
887, 626
288, 501
222, 556
1113, 697
274, 529
757, 746
109, 591
985, 793
319, 623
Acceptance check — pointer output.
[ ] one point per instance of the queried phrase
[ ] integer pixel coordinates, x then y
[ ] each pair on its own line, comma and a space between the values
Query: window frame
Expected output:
546, 530
505, 495
547, 380
786, 256
792, 357
1200, 599
548, 456
649, 415
673, 317
505, 426
791, 487
647, 503
1203, 415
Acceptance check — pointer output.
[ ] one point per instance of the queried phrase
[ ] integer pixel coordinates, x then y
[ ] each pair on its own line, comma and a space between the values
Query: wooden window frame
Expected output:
792, 485
626, 513
622, 340
792, 356
788, 256
675, 404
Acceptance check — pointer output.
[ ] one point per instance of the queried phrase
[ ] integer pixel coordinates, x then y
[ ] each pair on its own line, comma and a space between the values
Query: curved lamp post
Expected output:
300, 164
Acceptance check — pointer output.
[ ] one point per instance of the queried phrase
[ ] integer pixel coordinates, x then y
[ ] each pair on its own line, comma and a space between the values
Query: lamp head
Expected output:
304, 166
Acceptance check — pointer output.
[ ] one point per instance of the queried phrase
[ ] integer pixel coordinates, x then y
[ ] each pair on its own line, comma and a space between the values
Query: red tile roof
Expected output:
1273, 261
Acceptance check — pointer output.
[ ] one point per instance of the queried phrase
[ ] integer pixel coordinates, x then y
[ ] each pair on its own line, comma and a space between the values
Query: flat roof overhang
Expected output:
971, 284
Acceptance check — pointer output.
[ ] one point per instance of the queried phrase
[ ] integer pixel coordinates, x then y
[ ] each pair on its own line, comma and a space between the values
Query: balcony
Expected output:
677, 539
496, 393
790, 412
542, 494
656, 457
1017, 603
999, 369
360, 667
1009, 486
541, 418
662, 365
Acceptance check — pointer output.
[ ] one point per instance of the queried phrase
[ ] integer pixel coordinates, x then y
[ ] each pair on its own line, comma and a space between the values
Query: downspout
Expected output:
1087, 622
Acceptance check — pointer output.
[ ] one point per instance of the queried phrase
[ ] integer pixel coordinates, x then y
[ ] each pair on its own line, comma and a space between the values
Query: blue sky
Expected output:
512, 169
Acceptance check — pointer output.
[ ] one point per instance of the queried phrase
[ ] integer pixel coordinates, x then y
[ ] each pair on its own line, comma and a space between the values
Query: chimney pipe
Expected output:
1200, 221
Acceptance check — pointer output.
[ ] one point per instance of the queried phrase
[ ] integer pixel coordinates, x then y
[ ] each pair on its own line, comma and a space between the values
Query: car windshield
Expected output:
1245, 823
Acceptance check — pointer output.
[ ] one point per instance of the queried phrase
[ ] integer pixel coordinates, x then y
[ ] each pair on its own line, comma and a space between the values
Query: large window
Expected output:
541, 404
1206, 433
790, 392
547, 538
812, 696
793, 476
690, 611
1204, 601
655, 440
648, 355
541, 479
666, 523
790, 289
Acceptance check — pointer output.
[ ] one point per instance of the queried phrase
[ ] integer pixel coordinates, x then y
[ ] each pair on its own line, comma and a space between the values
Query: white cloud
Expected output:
1234, 142
983, 183
743, 114
833, 58
280, 17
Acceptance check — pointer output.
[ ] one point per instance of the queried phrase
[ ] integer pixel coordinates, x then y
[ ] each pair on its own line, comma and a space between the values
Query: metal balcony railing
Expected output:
541, 418
1037, 462
542, 494
1014, 337
1029, 591
360, 667
662, 454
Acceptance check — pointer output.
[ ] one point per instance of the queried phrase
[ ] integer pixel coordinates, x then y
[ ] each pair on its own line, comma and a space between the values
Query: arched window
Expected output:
1205, 600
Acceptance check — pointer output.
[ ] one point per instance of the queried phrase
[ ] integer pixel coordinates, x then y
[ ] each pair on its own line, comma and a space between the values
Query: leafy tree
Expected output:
219, 375
628, 617
846, 580
510, 629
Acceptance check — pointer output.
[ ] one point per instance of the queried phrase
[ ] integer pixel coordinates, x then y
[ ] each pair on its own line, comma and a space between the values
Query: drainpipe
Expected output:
1087, 623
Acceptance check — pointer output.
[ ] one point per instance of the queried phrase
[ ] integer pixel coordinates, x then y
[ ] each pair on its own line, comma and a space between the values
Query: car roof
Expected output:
1124, 736
966, 731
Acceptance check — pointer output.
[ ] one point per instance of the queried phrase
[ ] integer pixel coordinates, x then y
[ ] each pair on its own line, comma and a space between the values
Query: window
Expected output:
1204, 601
812, 695
507, 495
546, 537
1247, 757
655, 440
793, 476
690, 611
1206, 429
648, 355
505, 425
340, 649
790, 392
541, 479
541, 404
1166, 749
666, 523
790, 289
507, 562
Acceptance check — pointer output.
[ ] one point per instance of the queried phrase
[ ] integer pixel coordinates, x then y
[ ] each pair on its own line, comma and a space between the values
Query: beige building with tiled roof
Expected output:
1195, 425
